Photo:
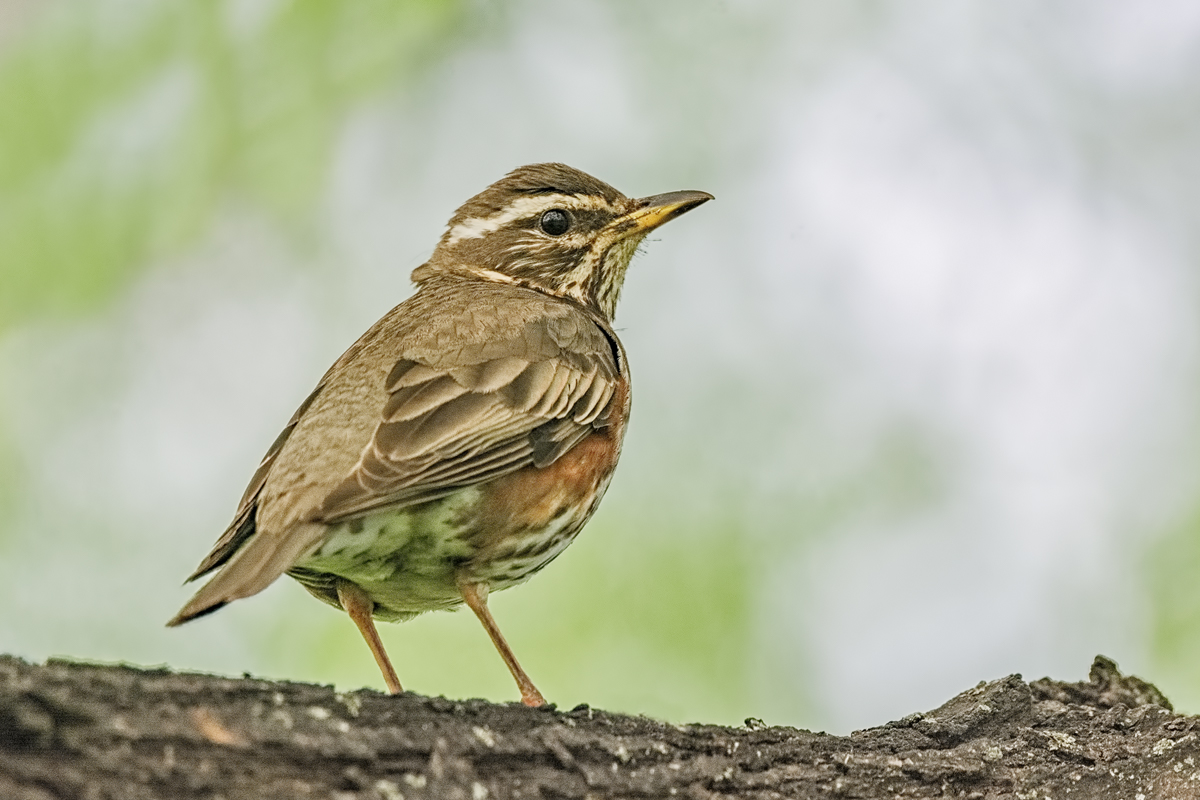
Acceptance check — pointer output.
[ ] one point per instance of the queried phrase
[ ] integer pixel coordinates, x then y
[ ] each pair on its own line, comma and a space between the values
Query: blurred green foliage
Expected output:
123, 127
241, 106
1171, 567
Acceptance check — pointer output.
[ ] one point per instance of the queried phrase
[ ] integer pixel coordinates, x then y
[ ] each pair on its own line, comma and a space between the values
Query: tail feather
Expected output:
254, 567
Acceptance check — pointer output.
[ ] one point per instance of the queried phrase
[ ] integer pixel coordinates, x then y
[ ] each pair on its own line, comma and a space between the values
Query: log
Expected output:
81, 730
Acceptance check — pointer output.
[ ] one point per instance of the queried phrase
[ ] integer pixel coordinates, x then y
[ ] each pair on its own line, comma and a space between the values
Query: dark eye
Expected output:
555, 222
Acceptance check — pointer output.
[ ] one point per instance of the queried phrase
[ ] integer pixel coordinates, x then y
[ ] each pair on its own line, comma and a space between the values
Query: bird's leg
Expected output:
359, 606
475, 596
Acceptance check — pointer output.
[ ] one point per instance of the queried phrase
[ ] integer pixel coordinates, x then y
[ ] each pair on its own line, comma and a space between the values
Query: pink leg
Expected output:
475, 595
359, 606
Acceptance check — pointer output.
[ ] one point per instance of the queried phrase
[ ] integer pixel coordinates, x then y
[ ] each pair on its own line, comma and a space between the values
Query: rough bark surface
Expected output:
72, 730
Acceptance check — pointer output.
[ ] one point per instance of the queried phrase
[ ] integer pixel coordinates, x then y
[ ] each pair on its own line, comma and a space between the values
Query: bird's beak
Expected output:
658, 209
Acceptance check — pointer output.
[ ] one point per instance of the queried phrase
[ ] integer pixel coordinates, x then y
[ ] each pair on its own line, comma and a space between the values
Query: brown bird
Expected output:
462, 442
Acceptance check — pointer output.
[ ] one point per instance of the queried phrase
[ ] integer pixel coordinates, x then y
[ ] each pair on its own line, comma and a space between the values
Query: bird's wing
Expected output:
465, 419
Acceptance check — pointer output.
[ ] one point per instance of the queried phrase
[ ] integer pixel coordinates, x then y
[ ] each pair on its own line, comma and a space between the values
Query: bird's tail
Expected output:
254, 567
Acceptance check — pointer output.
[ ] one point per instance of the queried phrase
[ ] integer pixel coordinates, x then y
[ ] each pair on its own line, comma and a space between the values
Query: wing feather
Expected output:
460, 425
489, 376
414, 402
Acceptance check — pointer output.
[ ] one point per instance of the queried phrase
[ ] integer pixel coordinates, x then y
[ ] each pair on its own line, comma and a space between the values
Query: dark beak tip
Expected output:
693, 200
686, 200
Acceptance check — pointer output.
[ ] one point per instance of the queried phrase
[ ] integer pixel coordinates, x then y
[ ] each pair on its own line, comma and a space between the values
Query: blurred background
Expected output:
916, 399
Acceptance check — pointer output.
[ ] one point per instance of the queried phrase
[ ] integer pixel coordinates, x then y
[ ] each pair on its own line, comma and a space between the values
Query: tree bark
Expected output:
72, 730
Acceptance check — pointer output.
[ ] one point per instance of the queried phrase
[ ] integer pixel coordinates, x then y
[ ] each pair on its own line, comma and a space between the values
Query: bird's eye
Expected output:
555, 222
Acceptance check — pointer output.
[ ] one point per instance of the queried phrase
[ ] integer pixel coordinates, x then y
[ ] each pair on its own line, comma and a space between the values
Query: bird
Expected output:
464, 440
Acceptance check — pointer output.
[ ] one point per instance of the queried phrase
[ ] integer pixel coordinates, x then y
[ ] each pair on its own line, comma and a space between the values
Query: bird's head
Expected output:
555, 229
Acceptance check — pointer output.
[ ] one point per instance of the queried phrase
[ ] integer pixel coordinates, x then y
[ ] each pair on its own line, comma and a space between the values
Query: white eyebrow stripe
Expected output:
521, 208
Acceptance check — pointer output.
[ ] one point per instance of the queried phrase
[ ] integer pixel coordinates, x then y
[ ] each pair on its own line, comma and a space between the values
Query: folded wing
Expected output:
446, 428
